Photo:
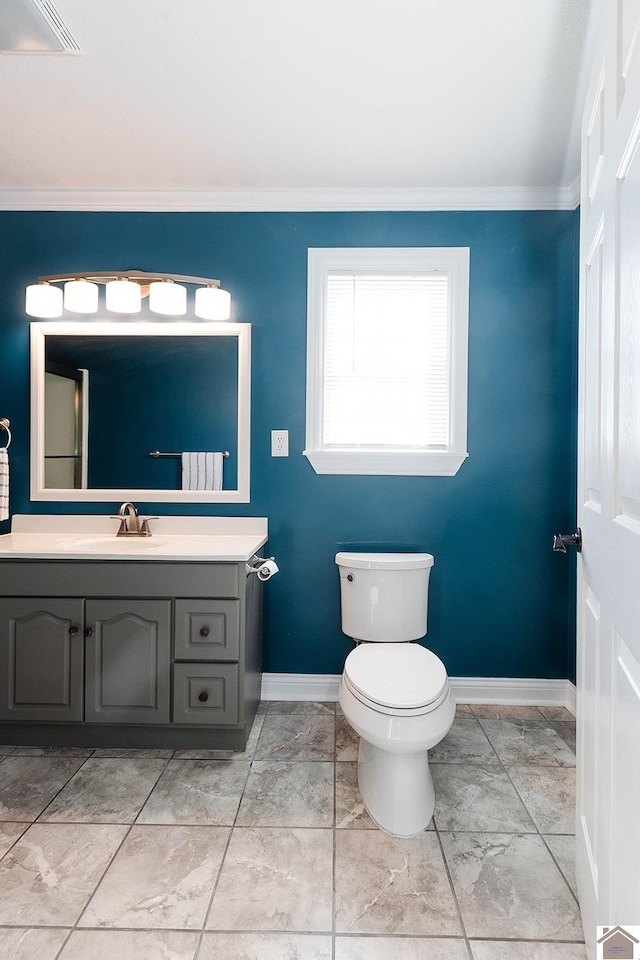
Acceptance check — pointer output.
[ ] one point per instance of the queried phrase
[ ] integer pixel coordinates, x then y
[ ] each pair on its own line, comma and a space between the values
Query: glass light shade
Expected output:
168, 298
43, 300
80, 296
123, 296
212, 303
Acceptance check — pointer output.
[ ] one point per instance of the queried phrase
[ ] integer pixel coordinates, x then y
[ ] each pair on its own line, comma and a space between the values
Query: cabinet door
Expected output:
41, 652
127, 657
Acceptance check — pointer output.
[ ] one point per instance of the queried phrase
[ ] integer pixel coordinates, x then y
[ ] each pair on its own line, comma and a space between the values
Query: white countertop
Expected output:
70, 537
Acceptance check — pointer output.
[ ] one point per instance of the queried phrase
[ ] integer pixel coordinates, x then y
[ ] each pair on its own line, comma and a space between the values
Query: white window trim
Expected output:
440, 463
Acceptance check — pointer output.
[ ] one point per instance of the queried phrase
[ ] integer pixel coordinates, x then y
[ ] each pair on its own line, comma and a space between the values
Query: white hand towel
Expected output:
4, 483
202, 471
218, 463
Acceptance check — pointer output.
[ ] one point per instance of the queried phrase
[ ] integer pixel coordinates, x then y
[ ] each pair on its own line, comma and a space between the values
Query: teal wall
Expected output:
500, 600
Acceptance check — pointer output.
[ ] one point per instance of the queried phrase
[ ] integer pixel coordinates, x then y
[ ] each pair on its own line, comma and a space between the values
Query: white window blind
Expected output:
386, 382
387, 335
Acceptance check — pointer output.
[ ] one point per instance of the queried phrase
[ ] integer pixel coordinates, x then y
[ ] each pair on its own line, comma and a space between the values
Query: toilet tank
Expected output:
384, 595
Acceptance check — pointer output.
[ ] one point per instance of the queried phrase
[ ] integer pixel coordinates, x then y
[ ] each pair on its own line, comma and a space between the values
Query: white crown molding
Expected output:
499, 690
573, 193
295, 200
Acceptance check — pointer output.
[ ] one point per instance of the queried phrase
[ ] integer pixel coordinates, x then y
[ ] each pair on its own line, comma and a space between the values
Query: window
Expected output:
387, 336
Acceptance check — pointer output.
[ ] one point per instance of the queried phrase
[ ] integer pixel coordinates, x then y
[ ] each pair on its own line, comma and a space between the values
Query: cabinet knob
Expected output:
203, 697
88, 631
73, 631
204, 631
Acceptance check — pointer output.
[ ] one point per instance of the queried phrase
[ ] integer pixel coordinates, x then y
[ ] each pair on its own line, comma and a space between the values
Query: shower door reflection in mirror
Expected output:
65, 417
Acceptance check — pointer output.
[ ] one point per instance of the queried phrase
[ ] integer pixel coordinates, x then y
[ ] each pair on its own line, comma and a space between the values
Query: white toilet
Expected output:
395, 694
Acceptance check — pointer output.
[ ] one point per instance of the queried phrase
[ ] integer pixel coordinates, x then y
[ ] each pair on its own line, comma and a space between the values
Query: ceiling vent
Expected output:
34, 26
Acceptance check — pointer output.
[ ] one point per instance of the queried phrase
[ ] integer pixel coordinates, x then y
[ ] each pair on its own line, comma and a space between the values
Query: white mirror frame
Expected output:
39, 332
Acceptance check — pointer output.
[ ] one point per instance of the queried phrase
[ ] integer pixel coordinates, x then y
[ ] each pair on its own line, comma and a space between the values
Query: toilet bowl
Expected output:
394, 692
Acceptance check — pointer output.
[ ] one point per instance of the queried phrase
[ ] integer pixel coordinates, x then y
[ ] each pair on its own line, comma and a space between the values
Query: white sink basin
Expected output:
112, 543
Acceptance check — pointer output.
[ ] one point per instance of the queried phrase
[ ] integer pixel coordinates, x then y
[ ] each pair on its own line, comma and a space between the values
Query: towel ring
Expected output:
4, 423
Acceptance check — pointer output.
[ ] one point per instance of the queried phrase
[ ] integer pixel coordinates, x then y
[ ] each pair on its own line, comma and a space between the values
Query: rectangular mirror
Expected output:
115, 405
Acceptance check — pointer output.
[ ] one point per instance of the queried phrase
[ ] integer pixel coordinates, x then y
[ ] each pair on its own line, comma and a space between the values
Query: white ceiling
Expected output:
333, 95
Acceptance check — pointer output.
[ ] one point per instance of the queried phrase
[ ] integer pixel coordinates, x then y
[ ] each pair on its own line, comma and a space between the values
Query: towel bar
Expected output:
4, 423
156, 453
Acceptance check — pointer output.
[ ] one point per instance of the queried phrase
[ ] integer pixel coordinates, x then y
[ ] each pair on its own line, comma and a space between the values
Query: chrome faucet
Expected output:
130, 523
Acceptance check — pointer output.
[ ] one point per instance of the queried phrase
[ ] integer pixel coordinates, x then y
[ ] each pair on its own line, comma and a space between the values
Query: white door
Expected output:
608, 821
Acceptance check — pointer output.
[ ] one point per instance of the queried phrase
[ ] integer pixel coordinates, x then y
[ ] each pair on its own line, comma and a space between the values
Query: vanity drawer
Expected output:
207, 630
205, 693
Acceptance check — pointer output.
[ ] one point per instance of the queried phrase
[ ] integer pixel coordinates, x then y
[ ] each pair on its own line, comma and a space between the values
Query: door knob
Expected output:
563, 540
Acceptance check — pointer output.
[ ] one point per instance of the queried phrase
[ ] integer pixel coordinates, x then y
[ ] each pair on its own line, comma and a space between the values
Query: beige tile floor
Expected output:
269, 854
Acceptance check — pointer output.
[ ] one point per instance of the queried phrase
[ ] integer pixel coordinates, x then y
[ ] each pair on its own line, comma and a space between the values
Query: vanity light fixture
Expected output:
123, 296
168, 297
212, 303
124, 293
43, 300
80, 296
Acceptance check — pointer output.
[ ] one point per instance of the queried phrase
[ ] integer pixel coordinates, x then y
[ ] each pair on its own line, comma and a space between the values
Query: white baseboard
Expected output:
499, 690
300, 686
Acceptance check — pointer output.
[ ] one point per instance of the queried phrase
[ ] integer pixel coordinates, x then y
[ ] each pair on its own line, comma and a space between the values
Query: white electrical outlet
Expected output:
279, 443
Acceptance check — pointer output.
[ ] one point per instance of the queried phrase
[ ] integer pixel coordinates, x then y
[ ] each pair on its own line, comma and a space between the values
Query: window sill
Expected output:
386, 463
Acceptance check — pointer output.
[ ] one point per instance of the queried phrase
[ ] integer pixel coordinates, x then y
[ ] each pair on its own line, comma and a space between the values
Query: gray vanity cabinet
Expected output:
41, 644
127, 661
129, 654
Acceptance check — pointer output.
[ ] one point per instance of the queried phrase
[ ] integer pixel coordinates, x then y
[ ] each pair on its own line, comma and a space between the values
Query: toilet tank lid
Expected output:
384, 561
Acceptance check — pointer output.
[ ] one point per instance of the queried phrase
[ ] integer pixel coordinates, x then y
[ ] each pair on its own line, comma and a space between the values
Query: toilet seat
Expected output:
397, 679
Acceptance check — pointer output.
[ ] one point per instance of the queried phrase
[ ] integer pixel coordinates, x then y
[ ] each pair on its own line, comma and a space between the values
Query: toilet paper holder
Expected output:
264, 567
